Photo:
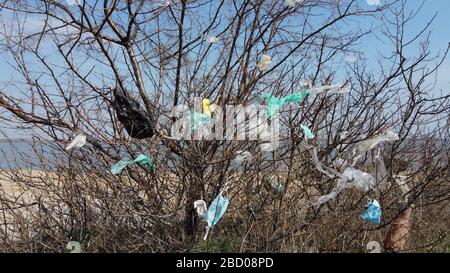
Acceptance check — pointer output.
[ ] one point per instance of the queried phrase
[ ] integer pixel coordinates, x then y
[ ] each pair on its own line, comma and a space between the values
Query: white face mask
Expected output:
78, 142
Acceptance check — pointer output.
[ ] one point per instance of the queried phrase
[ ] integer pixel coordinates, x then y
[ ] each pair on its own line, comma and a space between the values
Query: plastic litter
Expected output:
264, 62
201, 207
293, 3
73, 247
207, 107
277, 185
78, 142
274, 104
215, 212
308, 133
369, 144
147, 162
374, 246
213, 39
397, 235
136, 121
373, 213
331, 89
352, 178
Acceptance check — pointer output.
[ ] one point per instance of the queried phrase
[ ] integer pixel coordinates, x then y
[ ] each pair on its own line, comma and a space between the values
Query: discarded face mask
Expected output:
78, 142
308, 133
215, 212
136, 121
293, 3
373, 213
274, 104
331, 89
201, 208
147, 162
242, 157
264, 62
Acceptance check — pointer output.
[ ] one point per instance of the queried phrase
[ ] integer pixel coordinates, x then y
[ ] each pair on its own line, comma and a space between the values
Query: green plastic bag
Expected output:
308, 133
274, 104
141, 159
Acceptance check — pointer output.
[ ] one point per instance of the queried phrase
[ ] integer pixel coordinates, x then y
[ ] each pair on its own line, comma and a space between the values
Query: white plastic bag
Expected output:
78, 142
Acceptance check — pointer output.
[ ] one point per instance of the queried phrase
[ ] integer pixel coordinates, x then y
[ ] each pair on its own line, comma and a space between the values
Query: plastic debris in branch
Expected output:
374, 247
78, 142
370, 143
373, 213
73, 247
213, 39
293, 3
307, 132
136, 121
352, 178
277, 185
264, 62
215, 212
398, 233
274, 104
207, 107
331, 89
146, 161
201, 207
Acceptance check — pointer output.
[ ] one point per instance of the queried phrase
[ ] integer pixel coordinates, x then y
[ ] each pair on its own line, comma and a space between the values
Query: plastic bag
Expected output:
330, 172
373, 213
397, 235
213, 39
331, 89
264, 62
201, 208
136, 121
370, 143
78, 142
274, 104
351, 178
207, 107
73, 247
308, 133
141, 159
401, 182
293, 3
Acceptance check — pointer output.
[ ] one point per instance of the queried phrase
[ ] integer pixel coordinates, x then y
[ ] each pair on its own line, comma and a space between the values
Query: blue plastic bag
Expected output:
372, 213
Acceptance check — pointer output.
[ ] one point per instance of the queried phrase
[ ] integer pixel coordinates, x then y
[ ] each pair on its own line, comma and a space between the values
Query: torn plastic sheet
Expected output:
330, 172
373, 213
307, 132
215, 212
370, 143
147, 162
293, 3
331, 89
352, 178
213, 39
201, 207
403, 184
381, 173
264, 62
274, 104
78, 142
136, 121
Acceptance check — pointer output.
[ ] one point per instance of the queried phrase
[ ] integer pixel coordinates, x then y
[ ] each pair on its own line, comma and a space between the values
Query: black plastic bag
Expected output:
135, 120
